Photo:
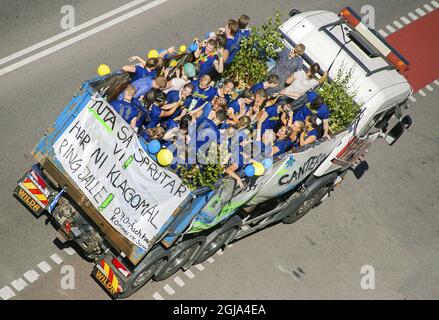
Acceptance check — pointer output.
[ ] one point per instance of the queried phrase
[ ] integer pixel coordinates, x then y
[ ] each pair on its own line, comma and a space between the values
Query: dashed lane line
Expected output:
19, 284
158, 296
6, 293
44, 266
179, 282
31, 276
169, 290
56, 258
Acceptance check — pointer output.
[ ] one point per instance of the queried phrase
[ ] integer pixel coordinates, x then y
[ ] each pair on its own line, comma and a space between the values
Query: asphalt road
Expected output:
387, 219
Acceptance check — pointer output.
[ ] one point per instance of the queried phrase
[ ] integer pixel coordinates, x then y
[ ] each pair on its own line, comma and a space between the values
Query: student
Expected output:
178, 97
209, 58
203, 93
244, 30
311, 132
159, 113
295, 136
263, 145
210, 108
226, 89
301, 82
271, 82
144, 109
207, 130
146, 70
156, 133
125, 108
283, 142
239, 107
182, 77
144, 85
232, 40
271, 116
320, 110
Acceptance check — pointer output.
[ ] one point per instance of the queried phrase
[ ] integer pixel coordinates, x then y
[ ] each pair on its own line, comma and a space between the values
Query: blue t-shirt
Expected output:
142, 85
232, 45
257, 87
173, 96
301, 114
283, 145
206, 62
200, 95
314, 132
226, 96
261, 150
154, 115
236, 106
141, 72
207, 109
210, 130
126, 109
169, 124
323, 112
272, 119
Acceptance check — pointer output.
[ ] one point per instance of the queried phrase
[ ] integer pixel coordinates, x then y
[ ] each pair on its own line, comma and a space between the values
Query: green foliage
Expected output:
249, 66
200, 176
341, 104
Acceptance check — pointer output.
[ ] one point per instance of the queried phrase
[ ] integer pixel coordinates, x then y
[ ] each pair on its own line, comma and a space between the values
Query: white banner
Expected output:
104, 157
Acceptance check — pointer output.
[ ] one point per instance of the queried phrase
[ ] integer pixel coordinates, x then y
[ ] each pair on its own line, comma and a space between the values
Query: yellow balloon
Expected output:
173, 63
183, 48
103, 70
259, 168
153, 54
165, 157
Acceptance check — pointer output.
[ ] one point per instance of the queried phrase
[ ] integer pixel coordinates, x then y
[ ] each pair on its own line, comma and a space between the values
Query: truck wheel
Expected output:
215, 241
307, 205
142, 277
181, 254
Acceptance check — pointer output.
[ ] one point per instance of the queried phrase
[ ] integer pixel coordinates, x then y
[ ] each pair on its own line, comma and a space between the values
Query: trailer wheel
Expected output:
181, 254
217, 239
309, 203
142, 277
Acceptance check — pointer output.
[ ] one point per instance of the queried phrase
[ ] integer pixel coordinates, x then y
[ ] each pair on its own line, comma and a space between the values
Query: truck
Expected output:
137, 221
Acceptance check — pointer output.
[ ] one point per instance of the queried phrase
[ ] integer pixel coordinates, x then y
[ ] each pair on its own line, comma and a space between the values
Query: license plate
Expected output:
28, 200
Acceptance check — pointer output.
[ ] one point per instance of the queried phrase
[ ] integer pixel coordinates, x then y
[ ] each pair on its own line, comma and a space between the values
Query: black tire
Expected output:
181, 254
307, 205
214, 242
142, 277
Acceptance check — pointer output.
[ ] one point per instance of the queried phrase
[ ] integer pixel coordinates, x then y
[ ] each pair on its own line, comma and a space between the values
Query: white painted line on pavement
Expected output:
412, 99
199, 267
211, 260
19, 284
397, 24
6, 293
158, 296
230, 245
422, 93
435, 3
428, 8
405, 20
70, 31
430, 88
220, 252
413, 16
420, 12
56, 258
390, 28
179, 281
169, 289
382, 33
44, 266
70, 251
80, 37
436, 82
189, 274
31, 276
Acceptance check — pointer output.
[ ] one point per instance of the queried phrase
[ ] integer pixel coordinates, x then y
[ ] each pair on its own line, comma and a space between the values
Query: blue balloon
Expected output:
154, 146
249, 171
268, 163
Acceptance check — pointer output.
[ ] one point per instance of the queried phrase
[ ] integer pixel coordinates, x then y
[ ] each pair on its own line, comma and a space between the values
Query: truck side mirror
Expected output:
395, 134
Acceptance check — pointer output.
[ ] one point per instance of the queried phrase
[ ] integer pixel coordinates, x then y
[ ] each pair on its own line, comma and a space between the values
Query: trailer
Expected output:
137, 221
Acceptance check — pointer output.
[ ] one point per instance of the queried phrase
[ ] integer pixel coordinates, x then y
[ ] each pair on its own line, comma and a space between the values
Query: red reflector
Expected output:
349, 16
40, 180
119, 266
67, 227
341, 153
397, 62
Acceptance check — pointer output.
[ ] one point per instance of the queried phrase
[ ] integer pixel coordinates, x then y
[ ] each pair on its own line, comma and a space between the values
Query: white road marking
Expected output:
179, 282
412, 99
199, 267
230, 245
429, 88
405, 20
158, 296
44, 266
397, 24
211, 260
428, 8
169, 289
390, 28
31, 276
436, 82
19, 284
80, 37
220, 252
435, 3
6, 293
69, 32
70, 251
420, 12
422, 93
189, 274
382, 33
413, 16
56, 258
